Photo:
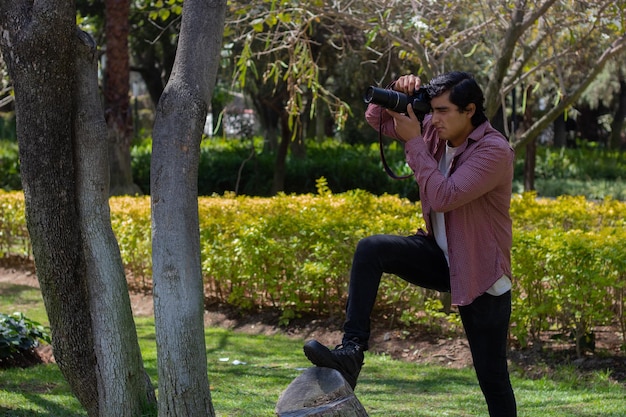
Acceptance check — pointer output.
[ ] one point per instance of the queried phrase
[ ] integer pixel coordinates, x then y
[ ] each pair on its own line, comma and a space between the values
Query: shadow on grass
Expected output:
34, 388
22, 295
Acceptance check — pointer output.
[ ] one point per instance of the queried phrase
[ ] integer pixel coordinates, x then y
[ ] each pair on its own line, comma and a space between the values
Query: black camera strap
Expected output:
388, 169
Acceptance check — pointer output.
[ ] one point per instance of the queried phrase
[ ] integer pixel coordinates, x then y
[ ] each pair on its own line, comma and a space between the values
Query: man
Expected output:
464, 169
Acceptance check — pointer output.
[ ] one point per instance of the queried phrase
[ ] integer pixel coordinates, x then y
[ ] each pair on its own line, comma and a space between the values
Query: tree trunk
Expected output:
530, 160
117, 102
280, 164
178, 288
529, 165
319, 392
560, 132
38, 47
618, 117
268, 111
121, 376
64, 169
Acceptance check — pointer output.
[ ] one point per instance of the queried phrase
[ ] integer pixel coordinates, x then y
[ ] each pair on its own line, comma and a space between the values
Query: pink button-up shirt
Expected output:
475, 198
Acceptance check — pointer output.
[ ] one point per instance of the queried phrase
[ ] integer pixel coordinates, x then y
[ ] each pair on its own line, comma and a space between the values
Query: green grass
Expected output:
387, 388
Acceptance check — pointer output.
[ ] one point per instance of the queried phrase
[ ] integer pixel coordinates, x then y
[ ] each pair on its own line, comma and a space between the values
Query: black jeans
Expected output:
419, 260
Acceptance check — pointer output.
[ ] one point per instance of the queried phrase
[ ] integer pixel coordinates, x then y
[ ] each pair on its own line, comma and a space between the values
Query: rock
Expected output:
319, 392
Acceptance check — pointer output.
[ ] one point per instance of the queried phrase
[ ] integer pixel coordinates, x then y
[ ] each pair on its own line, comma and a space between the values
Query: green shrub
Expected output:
582, 163
9, 166
245, 168
130, 220
18, 334
293, 253
569, 281
569, 267
14, 238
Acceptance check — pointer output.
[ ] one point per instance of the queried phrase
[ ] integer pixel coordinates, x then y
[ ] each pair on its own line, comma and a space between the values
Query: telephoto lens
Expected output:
397, 101
389, 99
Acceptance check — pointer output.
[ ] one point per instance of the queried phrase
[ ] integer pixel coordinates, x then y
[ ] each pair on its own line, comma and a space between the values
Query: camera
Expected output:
397, 101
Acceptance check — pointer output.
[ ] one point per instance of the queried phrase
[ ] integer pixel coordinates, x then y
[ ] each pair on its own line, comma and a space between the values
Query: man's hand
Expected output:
407, 126
408, 84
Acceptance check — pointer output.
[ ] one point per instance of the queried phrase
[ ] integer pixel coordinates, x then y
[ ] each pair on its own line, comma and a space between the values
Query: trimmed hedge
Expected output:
293, 253
243, 167
229, 166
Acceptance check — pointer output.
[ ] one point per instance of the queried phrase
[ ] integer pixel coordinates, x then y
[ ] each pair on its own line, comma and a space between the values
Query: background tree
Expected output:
510, 45
285, 55
507, 44
606, 96
292, 58
116, 96
153, 39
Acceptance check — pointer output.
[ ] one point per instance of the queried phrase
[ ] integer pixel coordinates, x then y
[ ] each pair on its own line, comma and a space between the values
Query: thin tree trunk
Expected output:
178, 288
530, 160
619, 115
529, 165
116, 97
121, 376
280, 165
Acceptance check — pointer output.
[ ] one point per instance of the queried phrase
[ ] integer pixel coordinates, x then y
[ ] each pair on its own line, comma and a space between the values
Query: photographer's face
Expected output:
452, 123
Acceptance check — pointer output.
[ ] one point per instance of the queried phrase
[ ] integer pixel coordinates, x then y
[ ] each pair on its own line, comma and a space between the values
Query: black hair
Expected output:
464, 90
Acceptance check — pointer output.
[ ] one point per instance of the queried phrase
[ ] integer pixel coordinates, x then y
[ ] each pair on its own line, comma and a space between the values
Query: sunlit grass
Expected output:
247, 374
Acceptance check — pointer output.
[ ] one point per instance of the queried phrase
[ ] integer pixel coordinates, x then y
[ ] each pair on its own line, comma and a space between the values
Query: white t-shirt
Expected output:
438, 222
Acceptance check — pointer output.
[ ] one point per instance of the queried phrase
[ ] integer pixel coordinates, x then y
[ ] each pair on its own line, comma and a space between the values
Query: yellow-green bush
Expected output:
130, 219
293, 253
14, 239
569, 266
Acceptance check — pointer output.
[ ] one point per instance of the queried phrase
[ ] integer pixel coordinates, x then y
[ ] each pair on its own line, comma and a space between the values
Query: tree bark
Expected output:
64, 167
178, 288
319, 392
280, 164
38, 47
124, 388
529, 165
530, 159
117, 102
619, 115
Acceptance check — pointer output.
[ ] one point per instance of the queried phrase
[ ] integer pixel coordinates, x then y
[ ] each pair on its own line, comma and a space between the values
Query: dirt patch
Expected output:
447, 347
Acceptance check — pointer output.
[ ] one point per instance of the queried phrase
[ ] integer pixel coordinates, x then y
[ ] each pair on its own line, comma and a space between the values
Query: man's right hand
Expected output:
408, 84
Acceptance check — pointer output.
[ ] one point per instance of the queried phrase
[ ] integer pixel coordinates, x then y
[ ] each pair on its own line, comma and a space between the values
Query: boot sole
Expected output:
319, 355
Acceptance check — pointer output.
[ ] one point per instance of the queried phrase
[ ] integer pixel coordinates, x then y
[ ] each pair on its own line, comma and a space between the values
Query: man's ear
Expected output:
470, 110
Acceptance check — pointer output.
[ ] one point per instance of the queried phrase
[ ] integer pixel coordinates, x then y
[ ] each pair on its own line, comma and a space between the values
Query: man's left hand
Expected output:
407, 126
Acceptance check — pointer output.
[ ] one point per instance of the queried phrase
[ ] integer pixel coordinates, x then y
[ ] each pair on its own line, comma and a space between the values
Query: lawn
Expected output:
247, 373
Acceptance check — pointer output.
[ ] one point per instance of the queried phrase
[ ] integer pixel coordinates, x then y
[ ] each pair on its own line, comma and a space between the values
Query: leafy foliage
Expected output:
19, 334
293, 252
568, 265
9, 165
587, 170
14, 239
